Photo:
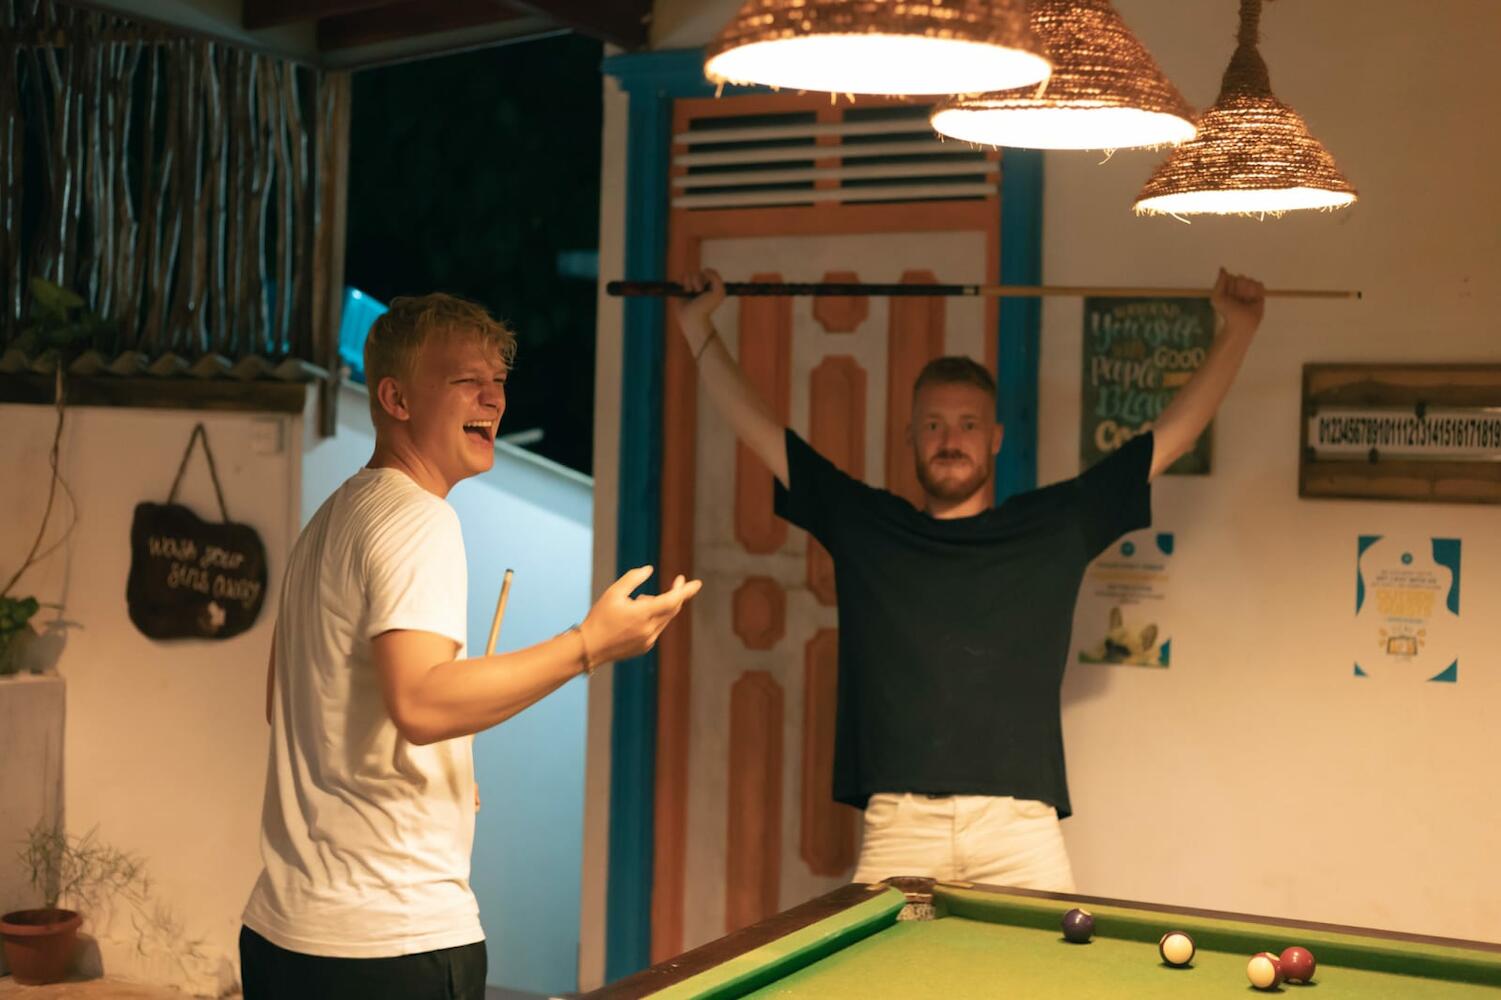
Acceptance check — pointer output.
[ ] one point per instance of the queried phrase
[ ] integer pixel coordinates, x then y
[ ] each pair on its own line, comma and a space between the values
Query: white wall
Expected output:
532, 516
608, 344
1259, 773
165, 748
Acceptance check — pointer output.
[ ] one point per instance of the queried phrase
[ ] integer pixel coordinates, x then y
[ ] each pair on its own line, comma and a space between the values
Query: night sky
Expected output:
469, 174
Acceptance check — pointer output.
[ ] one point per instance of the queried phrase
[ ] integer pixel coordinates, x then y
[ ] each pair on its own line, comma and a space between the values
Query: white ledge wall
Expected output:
165, 750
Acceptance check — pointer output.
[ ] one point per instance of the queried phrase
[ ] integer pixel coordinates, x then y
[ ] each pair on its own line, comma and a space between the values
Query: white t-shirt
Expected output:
365, 837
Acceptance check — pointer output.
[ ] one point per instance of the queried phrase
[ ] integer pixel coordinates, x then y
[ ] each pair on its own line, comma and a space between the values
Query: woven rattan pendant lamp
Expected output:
1106, 91
879, 46
1253, 154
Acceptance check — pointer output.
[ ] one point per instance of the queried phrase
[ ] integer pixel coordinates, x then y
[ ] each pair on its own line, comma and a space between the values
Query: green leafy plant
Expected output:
80, 870
15, 618
60, 322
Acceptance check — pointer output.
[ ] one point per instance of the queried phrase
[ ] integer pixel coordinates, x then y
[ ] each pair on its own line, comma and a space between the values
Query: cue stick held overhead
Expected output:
500, 611
671, 289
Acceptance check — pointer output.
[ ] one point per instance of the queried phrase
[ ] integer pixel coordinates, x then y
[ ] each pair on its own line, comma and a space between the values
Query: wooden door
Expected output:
745, 822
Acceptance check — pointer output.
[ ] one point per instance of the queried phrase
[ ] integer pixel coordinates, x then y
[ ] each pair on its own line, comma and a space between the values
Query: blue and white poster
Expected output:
1121, 608
1407, 608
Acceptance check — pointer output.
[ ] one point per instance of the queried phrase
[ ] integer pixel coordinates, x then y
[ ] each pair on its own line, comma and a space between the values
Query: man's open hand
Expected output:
620, 626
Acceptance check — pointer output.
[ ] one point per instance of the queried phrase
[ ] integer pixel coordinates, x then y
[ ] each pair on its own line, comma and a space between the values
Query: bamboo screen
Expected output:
170, 181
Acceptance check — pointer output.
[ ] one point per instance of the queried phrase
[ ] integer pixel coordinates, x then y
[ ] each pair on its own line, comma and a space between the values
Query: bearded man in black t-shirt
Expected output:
954, 620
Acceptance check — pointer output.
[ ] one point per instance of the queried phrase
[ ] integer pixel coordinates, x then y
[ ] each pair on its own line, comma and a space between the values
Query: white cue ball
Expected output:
1176, 948
1264, 971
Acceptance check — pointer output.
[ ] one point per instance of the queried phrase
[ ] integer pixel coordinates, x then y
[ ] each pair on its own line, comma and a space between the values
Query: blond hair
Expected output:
394, 339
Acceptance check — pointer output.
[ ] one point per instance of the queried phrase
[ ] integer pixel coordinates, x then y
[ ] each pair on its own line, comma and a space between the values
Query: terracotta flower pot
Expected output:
39, 944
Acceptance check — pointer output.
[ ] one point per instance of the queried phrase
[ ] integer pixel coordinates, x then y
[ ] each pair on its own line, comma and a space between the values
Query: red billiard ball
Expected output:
1297, 964
1078, 926
1264, 970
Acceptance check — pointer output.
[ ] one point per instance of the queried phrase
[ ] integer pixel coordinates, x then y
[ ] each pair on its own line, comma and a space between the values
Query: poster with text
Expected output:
1121, 615
1137, 353
1407, 607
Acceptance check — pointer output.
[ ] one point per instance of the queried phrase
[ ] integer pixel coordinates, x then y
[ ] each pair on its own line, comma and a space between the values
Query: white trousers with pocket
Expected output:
996, 840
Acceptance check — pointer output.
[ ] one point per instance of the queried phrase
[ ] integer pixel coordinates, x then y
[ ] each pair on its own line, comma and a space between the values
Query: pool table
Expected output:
919, 938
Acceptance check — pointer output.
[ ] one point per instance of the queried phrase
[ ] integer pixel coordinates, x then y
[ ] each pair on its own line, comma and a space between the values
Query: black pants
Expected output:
270, 972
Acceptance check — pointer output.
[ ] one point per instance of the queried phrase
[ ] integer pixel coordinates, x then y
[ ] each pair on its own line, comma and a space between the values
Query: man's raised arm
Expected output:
1239, 302
728, 388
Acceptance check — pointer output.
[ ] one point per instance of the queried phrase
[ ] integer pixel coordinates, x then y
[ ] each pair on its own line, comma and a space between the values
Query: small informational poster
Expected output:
1407, 607
1138, 352
1122, 603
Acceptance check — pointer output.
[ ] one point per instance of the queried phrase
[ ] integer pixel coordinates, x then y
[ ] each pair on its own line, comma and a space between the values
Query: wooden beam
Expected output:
332, 131
260, 396
144, 22
623, 23
408, 19
270, 13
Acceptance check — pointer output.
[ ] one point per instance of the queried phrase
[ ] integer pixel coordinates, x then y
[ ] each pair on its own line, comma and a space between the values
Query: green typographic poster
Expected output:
1137, 353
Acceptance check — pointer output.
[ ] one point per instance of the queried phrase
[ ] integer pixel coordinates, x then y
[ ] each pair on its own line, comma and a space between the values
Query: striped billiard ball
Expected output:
1264, 970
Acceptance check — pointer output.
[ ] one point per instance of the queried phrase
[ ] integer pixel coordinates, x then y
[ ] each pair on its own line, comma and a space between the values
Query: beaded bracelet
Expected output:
584, 644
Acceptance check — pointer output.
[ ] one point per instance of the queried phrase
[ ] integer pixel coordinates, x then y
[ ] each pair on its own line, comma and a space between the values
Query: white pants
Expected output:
995, 840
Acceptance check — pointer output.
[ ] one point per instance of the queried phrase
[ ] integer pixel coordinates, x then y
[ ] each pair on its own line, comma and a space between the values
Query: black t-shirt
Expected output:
953, 634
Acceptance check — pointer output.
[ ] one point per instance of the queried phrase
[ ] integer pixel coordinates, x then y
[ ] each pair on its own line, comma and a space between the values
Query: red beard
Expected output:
950, 489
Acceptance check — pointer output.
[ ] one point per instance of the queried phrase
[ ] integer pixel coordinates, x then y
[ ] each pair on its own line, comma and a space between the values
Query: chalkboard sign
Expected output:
191, 578
1138, 352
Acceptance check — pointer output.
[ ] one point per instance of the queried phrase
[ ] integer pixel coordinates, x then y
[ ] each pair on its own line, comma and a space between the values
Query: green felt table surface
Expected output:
985, 942
861, 941
960, 957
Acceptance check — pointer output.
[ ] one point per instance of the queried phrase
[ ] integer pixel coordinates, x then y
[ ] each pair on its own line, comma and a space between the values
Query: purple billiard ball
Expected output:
1078, 926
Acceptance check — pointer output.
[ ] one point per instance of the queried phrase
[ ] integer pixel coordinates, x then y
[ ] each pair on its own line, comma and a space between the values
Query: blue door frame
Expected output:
653, 80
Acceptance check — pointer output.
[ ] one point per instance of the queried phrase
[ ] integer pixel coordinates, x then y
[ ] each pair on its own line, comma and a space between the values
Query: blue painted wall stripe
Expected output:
1020, 321
632, 741
653, 80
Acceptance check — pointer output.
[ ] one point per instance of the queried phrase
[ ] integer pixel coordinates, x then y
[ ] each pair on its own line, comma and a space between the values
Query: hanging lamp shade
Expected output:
1106, 91
879, 46
1253, 155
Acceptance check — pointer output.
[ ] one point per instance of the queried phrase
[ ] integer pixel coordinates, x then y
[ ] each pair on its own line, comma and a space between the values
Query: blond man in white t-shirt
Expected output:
368, 817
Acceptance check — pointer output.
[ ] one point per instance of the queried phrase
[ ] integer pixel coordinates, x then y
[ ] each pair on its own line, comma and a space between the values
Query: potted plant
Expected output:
39, 943
60, 325
15, 630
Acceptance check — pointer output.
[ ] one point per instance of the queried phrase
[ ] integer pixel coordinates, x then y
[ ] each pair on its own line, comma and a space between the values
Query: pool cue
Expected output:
671, 289
500, 612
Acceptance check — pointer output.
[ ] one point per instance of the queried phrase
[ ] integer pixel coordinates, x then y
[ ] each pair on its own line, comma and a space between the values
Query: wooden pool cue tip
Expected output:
671, 289
500, 612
